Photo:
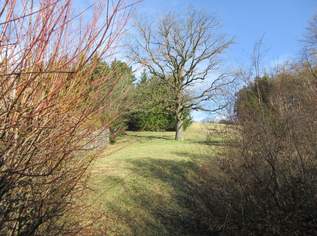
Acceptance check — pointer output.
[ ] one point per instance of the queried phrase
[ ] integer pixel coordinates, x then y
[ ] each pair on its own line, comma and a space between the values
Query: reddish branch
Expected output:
47, 97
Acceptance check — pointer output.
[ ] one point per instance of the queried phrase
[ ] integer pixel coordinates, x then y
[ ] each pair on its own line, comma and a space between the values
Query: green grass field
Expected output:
143, 182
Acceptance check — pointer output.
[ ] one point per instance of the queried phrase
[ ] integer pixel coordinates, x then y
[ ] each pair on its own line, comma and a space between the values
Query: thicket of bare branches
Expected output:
48, 53
267, 183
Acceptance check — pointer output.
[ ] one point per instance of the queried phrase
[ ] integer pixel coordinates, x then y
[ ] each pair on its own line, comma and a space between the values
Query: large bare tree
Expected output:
184, 52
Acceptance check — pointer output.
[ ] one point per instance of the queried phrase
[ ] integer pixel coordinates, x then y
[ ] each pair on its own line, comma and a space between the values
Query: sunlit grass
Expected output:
143, 182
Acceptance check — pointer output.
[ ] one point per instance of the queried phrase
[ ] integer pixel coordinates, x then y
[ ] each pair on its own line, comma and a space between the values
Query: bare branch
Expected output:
182, 52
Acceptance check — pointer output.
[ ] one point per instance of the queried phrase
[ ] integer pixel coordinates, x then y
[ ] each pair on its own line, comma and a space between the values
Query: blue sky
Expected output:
282, 22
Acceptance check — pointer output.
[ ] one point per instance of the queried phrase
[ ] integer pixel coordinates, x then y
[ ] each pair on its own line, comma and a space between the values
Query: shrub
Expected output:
47, 99
268, 179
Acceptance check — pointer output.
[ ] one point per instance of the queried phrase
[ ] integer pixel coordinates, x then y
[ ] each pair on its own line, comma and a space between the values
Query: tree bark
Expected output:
179, 129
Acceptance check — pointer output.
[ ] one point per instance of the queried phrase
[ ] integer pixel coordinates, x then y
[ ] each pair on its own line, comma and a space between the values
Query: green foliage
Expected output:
154, 107
119, 99
146, 105
254, 98
150, 121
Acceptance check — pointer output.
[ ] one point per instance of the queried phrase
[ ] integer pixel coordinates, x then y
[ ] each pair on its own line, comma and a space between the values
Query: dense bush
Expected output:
154, 121
150, 121
255, 98
47, 99
268, 178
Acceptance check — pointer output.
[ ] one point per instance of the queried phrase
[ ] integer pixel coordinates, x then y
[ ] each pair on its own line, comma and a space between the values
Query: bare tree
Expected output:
183, 52
310, 47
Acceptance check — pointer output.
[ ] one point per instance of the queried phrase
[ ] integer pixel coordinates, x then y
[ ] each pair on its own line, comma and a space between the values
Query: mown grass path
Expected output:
143, 183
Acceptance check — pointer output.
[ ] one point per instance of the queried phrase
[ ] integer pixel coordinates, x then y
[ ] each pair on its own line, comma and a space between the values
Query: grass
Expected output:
143, 183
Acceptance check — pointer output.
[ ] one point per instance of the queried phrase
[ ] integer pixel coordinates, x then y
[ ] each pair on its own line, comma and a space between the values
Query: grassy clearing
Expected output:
143, 182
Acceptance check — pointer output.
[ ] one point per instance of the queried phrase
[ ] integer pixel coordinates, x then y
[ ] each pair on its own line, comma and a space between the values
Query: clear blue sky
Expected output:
282, 22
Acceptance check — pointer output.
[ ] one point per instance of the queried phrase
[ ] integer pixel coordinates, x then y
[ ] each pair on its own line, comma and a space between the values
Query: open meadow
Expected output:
143, 183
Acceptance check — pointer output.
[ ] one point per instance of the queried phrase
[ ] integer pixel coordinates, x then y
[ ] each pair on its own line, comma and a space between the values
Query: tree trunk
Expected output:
179, 129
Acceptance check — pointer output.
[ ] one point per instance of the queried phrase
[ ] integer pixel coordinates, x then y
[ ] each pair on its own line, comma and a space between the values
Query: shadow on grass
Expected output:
151, 137
217, 143
212, 142
167, 201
